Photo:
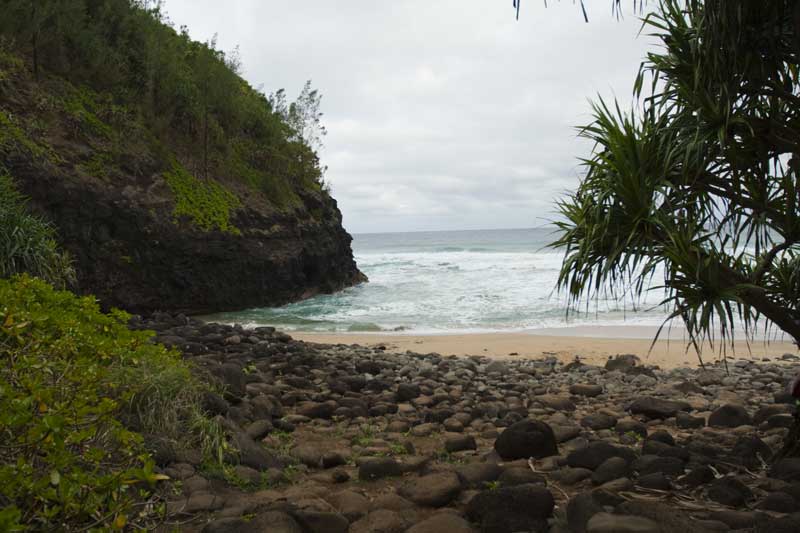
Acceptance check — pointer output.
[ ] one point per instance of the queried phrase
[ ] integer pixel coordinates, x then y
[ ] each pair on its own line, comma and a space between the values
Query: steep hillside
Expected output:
172, 183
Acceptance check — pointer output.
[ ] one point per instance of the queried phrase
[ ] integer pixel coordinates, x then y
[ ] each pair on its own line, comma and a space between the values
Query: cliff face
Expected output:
145, 232
130, 253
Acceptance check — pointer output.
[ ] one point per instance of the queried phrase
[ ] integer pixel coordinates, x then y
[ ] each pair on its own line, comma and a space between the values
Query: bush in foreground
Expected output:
68, 375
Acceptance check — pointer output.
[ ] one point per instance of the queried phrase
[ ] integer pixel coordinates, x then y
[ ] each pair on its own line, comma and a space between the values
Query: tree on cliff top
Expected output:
701, 181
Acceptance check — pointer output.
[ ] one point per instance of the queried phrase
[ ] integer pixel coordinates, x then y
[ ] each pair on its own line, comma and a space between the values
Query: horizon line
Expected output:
545, 226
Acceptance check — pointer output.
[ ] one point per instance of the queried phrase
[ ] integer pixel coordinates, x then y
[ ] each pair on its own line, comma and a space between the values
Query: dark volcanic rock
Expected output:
612, 468
687, 421
457, 443
598, 421
580, 509
475, 475
589, 391
253, 454
780, 502
669, 518
656, 480
730, 416
510, 509
613, 523
596, 453
407, 391
650, 464
752, 452
434, 490
527, 438
520, 475
656, 408
316, 410
729, 491
622, 362
786, 469
379, 467
440, 523
786, 524
130, 253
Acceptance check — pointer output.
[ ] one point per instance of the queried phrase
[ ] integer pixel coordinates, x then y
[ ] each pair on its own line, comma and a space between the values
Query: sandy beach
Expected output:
592, 344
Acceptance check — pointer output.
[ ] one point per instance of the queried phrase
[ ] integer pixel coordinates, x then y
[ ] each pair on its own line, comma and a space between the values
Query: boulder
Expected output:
434, 490
510, 509
614, 523
730, 416
526, 438
441, 523
657, 408
596, 453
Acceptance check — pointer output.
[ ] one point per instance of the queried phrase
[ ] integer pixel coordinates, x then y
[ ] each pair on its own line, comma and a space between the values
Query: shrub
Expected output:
69, 375
27, 243
208, 204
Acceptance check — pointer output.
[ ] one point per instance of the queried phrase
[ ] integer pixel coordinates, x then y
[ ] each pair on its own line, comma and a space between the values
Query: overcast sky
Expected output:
441, 114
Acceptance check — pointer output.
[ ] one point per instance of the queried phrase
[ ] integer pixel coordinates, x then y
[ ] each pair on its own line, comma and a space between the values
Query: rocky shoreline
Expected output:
336, 438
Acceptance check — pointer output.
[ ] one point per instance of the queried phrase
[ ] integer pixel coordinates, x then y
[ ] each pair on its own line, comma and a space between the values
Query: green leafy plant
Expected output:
699, 185
208, 204
365, 436
27, 243
70, 375
398, 449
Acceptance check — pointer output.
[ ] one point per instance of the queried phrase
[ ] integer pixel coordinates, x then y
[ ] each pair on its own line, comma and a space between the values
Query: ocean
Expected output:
452, 282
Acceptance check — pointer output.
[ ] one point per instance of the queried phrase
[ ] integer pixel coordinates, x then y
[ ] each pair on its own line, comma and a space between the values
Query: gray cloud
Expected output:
440, 115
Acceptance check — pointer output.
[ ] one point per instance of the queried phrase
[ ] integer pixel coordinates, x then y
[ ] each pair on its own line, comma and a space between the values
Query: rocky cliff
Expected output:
130, 254
144, 231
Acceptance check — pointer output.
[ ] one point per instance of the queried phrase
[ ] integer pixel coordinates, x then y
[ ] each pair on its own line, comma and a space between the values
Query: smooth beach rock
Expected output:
596, 453
612, 468
590, 391
510, 509
527, 438
565, 433
687, 421
321, 522
612, 523
520, 475
475, 475
657, 408
730, 416
378, 467
442, 522
351, 504
380, 521
656, 480
580, 509
729, 491
407, 391
433, 490
558, 403
457, 443
598, 421
651, 464
622, 362
779, 502
752, 452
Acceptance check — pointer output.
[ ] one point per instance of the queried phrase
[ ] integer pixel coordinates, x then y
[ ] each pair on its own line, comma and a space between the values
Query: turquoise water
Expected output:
454, 281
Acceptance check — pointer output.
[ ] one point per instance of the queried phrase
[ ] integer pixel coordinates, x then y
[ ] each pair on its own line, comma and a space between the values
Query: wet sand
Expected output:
592, 344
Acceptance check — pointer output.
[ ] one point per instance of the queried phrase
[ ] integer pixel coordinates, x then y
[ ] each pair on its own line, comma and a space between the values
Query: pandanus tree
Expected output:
698, 185
699, 182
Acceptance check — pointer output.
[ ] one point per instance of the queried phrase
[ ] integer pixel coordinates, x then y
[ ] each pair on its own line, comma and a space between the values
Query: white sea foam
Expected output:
453, 282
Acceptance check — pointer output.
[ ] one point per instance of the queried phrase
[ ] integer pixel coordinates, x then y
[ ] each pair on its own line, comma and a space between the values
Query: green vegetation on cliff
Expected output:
208, 204
115, 76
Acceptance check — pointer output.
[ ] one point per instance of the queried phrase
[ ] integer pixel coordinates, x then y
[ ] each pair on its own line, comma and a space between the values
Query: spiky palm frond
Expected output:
702, 183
